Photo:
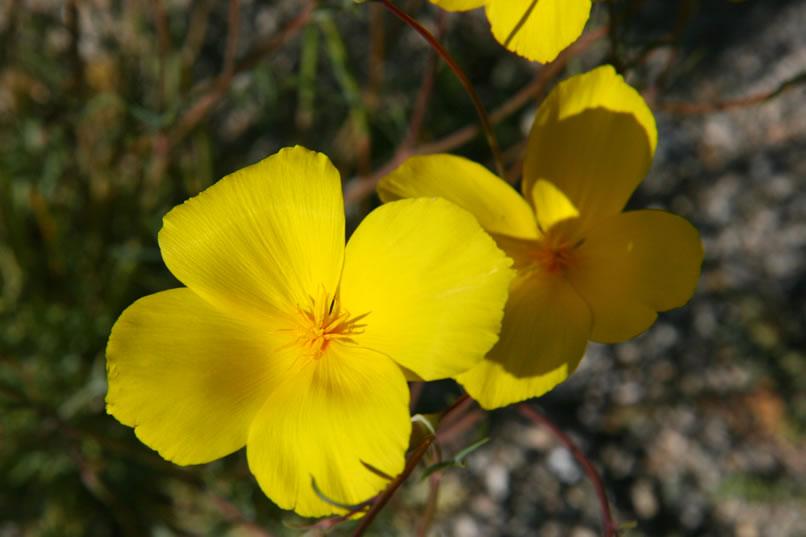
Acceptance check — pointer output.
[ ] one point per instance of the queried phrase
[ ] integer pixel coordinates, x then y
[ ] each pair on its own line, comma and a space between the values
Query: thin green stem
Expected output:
437, 46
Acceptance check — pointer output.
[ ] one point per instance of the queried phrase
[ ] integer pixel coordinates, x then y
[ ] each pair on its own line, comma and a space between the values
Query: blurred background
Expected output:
113, 112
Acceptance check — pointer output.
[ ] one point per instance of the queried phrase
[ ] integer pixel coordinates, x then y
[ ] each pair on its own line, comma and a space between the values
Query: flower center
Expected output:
322, 322
556, 252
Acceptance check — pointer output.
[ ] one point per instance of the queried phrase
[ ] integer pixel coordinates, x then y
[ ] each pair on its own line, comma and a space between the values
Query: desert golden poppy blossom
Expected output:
289, 343
586, 270
535, 29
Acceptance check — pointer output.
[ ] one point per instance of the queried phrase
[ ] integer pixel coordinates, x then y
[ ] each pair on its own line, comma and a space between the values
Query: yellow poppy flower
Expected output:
289, 343
537, 30
586, 270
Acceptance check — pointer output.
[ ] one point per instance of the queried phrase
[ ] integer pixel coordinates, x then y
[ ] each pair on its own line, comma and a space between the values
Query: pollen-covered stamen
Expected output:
321, 323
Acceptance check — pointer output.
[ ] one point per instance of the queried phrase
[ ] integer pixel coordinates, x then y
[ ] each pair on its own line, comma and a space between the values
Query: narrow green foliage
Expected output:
456, 460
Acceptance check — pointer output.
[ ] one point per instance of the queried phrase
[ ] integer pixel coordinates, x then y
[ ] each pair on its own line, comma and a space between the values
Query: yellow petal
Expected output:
431, 282
348, 408
459, 5
266, 238
543, 338
537, 29
188, 377
593, 138
554, 206
633, 265
496, 205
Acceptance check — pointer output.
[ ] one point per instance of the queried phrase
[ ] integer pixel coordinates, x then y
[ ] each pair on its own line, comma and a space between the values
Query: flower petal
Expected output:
593, 138
264, 238
459, 5
633, 265
348, 408
188, 377
431, 282
471, 186
543, 338
554, 205
537, 30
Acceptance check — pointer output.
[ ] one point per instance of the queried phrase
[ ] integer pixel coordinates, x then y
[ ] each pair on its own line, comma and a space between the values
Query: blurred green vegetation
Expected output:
109, 116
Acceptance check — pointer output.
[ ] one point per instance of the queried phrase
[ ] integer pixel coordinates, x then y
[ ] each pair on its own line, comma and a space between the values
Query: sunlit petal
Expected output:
431, 282
537, 29
633, 265
348, 408
263, 238
495, 204
188, 377
543, 338
593, 138
552, 205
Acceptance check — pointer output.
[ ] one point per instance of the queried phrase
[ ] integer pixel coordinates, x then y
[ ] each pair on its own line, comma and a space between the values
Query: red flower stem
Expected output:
423, 96
457, 405
382, 500
609, 526
461, 402
455, 427
437, 46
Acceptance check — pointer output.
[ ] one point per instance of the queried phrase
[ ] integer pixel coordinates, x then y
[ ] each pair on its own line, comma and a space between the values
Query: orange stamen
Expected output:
321, 323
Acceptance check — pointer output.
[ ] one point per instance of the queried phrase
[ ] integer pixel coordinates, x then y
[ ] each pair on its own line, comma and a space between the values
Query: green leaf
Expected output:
376, 471
457, 460
470, 449
327, 500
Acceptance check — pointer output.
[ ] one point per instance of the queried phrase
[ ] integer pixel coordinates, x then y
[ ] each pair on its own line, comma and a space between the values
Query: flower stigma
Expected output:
320, 323
556, 252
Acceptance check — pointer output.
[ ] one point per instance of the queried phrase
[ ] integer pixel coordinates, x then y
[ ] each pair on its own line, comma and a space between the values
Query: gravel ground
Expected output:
697, 425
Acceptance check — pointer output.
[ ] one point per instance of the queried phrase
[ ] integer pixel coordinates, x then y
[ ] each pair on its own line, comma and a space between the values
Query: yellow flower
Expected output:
290, 343
535, 29
586, 270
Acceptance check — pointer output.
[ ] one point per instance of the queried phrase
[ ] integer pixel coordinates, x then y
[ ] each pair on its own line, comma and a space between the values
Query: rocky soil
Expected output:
697, 426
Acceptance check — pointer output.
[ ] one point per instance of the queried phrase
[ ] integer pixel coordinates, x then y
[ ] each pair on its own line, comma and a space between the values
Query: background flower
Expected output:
288, 343
585, 270
537, 30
